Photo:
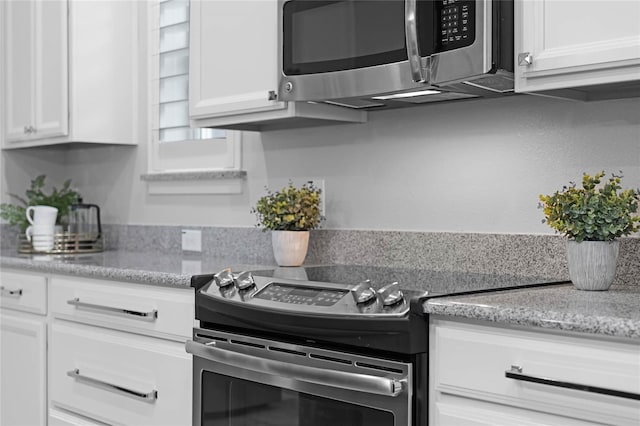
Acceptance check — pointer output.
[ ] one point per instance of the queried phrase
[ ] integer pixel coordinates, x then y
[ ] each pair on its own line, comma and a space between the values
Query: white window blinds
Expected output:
174, 75
175, 146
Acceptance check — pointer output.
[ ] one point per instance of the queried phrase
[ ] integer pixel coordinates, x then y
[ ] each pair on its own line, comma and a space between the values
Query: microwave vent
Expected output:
498, 83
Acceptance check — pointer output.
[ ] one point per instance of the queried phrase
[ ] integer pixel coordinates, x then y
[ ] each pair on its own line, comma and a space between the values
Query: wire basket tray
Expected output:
65, 243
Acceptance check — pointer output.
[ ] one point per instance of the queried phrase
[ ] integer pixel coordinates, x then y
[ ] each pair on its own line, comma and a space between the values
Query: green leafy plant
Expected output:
599, 211
291, 209
61, 199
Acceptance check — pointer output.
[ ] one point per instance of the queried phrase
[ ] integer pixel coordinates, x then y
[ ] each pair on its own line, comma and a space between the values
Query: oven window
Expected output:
323, 36
229, 401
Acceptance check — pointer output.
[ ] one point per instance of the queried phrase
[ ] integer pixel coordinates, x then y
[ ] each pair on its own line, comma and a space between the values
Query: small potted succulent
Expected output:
593, 218
289, 214
61, 199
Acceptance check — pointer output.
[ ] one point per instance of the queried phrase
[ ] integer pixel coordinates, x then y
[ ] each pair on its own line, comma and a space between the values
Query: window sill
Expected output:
197, 182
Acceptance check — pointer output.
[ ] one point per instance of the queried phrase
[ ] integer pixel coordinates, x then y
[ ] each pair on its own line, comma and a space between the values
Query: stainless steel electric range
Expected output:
316, 346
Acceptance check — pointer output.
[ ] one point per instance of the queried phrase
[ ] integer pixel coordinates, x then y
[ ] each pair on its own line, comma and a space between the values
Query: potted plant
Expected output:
289, 214
593, 218
61, 199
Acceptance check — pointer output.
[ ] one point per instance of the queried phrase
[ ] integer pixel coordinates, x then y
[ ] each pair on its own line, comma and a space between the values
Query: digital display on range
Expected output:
301, 295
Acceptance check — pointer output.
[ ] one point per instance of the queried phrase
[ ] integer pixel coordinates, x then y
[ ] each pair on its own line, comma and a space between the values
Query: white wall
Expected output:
466, 166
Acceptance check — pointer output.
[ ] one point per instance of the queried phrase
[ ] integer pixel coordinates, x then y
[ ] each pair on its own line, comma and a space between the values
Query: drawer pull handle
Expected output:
146, 316
144, 396
516, 373
6, 292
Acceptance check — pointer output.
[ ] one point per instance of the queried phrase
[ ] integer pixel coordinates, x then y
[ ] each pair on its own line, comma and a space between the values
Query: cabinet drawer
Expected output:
23, 292
62, 418
119, 378
151, 310
473, 360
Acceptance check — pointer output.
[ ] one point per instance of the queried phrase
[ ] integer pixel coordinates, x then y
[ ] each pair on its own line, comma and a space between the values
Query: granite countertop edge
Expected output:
132, 275
546, 311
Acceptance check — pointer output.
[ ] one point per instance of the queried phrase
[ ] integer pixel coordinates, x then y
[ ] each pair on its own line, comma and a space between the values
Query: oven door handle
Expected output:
338, 379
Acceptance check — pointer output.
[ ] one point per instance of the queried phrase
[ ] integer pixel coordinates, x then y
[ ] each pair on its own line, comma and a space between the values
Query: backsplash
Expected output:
516, 254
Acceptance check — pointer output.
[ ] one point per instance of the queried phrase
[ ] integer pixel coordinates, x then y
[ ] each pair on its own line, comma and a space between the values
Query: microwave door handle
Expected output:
411, 36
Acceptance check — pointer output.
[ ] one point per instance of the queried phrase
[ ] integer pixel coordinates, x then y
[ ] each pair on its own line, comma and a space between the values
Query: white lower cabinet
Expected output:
89, 352
117, 377
484, 374
116, 353
23, 342
23, 349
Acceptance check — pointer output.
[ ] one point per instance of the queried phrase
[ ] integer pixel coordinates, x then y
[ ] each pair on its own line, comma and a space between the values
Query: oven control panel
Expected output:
301, 295
309, 297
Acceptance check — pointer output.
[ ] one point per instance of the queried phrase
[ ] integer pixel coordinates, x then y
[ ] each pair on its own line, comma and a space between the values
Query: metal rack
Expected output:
65, 243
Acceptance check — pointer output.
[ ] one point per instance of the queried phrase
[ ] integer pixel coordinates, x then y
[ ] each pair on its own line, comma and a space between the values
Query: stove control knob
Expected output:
363, 293
391, 294
223, 278
244, 280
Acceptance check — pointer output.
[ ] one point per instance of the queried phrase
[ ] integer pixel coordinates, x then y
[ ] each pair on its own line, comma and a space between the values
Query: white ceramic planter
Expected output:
592, 264
290, 247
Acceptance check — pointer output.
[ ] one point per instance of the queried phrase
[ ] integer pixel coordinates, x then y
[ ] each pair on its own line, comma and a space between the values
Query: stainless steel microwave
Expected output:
370, 53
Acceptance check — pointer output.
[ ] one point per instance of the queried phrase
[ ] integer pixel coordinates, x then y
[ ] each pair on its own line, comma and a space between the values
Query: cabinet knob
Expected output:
525, 59
272, 96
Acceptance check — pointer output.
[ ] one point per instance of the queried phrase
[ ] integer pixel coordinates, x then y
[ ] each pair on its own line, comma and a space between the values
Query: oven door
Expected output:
247, 381
331, 49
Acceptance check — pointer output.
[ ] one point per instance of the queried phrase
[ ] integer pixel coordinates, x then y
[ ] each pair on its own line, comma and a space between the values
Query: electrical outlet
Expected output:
191, 240
319, 183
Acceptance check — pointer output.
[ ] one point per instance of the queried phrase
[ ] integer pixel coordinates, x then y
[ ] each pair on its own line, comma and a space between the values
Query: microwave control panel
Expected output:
456, 27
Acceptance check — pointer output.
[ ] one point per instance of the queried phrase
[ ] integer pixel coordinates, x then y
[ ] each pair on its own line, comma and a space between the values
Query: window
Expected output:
175, 146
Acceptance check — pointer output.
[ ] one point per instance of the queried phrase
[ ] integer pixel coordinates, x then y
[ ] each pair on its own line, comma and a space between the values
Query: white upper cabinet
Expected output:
36, 70
586, 50
70, 72
234, 70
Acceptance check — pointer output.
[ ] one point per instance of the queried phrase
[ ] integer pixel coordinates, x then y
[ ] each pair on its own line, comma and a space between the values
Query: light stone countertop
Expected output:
615, 312
137, 267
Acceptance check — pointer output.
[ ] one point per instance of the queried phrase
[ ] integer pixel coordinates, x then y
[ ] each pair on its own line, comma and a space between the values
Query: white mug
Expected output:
42, 215
41, 237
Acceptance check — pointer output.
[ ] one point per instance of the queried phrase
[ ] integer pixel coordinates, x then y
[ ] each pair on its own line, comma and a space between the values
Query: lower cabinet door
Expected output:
117, 377
23, 362
451, 410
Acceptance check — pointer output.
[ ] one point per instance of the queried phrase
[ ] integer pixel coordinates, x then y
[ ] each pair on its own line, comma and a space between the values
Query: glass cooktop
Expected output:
437, 283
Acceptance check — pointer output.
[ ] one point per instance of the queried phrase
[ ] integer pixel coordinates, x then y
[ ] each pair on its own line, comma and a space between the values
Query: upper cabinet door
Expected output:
51, 77
233, 57
562, 44
71, 71
19, 65
36, 69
